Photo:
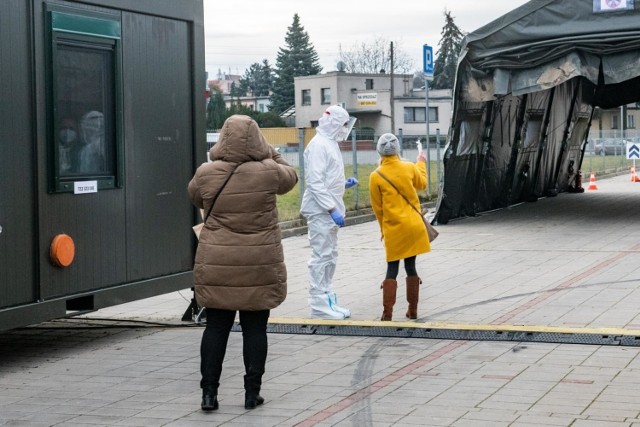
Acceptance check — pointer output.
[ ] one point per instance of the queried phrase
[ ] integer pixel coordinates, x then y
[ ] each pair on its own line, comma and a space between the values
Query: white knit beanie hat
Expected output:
388, 145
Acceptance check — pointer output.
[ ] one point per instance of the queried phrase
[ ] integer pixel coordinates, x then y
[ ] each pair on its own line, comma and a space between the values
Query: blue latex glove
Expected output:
350, 182
338, 218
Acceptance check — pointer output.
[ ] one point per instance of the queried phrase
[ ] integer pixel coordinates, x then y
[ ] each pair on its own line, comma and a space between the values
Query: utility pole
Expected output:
391, 94
428, 141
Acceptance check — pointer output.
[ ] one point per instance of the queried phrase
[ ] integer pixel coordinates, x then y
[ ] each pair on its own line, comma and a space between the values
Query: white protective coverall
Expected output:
325, 185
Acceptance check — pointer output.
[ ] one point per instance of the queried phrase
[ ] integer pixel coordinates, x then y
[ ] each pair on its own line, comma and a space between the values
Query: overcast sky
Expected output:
238, 34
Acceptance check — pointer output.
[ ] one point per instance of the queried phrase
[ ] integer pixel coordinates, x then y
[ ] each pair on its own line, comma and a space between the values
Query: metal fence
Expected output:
606, 150
361, 158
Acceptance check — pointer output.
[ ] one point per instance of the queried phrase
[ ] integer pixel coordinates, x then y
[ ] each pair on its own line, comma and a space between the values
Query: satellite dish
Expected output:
341, 66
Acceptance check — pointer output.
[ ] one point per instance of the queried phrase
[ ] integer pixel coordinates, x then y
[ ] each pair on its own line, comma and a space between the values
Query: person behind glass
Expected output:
323, 207
239, 263
68, 146
403, 231
92, 135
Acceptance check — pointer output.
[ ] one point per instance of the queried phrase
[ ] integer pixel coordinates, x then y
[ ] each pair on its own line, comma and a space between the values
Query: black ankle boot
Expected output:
251, 401
209, 401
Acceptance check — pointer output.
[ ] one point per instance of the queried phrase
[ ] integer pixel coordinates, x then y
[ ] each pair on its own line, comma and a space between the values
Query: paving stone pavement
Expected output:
568, 261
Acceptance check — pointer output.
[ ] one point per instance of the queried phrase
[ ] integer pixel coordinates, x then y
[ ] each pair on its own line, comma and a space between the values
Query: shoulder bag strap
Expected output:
213, 202
396, 188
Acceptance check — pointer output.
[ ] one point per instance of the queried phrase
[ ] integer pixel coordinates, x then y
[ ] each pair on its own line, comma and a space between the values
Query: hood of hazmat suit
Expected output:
323, 164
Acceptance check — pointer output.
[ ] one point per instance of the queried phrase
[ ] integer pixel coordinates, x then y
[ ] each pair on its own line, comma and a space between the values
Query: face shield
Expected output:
346, 129
92, 127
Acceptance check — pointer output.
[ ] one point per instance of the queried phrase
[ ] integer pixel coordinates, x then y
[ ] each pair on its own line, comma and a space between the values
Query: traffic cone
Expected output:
634, 176
592, 182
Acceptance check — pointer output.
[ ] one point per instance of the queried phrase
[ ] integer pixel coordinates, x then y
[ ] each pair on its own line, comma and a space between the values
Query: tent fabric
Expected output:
526, 88
546, 42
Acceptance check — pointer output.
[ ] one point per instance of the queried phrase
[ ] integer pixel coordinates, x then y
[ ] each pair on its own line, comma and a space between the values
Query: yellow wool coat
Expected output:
402, 228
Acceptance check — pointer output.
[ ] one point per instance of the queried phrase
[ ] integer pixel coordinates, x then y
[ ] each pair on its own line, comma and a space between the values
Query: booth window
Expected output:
86, 80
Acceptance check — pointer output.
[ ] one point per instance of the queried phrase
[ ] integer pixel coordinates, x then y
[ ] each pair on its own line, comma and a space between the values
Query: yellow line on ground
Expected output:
455, 326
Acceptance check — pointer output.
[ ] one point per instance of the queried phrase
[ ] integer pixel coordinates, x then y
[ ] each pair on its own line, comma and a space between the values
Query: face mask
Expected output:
68, 135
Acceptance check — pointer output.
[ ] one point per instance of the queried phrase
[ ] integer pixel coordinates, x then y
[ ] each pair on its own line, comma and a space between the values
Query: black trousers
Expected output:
393, 268
214, 347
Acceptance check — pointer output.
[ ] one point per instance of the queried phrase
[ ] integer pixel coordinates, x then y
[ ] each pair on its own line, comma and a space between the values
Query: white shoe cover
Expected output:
336, 307
322, 308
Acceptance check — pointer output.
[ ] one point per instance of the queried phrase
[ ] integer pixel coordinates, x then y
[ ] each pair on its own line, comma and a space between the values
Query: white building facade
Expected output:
368, 97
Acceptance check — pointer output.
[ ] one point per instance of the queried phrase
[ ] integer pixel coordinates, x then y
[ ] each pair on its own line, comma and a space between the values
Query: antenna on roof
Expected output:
341, 66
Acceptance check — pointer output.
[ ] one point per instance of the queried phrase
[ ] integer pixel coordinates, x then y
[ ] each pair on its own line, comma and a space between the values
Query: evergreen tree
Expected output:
238, 108
264, 82
297, 58
216, 111
236, 91
444, 67
257, 79
269, 120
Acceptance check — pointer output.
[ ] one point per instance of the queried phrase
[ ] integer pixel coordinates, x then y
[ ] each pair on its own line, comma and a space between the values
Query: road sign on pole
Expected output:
427, 60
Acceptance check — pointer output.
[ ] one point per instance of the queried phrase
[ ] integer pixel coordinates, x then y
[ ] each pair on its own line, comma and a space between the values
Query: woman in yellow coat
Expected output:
403, 230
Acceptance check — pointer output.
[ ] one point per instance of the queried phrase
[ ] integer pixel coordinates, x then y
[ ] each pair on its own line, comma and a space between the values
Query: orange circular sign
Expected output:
62, 250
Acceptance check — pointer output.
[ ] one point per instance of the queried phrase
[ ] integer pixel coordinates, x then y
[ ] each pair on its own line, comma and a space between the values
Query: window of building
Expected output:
85, 72
306, 97
325, 95
433, 114
368, 84
261, 108
416, 114
615, 121
631, 121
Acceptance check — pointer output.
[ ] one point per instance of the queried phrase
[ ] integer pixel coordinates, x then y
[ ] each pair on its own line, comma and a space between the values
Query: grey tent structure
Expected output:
527, 85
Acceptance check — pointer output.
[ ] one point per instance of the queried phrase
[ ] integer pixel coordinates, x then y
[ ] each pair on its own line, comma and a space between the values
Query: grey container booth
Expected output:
102, 124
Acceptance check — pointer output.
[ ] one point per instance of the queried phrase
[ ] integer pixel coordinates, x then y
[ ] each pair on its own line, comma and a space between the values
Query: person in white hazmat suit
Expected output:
323, 207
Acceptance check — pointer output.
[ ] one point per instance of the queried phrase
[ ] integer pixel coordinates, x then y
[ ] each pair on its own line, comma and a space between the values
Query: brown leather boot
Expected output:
413, 294
389, 287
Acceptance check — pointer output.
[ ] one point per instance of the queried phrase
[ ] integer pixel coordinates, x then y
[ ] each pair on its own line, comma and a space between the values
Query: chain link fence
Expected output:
606, 151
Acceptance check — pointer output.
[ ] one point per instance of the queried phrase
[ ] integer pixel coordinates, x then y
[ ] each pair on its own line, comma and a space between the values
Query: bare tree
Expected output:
371, 57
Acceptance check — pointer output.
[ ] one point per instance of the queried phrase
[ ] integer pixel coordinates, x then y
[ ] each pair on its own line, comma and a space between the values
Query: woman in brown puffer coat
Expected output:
239, 263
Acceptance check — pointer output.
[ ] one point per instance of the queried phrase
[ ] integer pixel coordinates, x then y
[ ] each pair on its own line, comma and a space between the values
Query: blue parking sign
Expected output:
427, 60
